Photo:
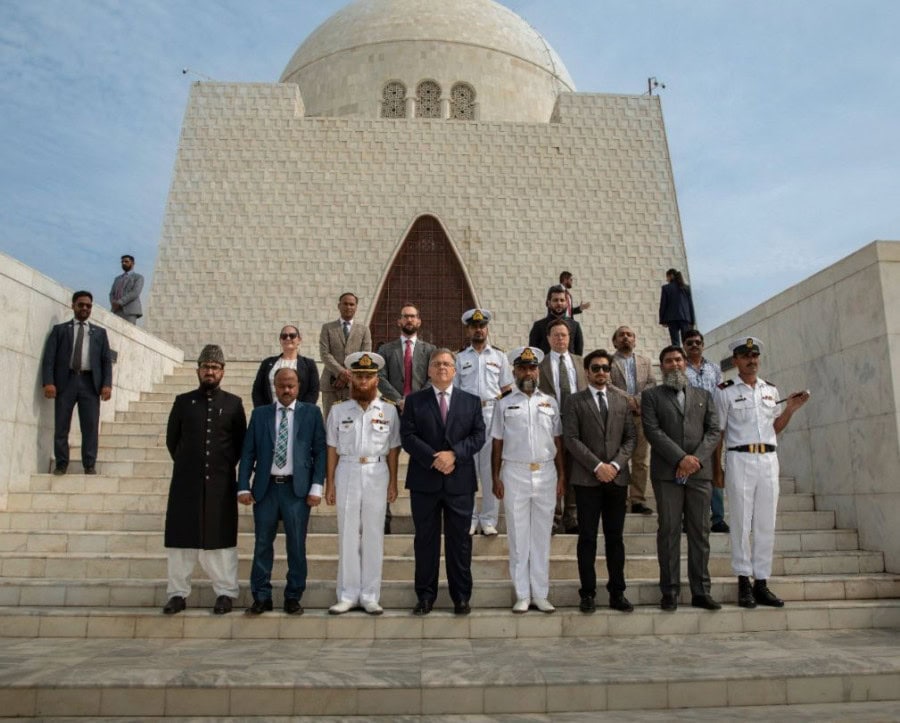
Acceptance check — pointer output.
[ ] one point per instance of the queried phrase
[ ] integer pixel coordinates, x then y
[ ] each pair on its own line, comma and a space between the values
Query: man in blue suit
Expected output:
285, 450
442, 429
77, 369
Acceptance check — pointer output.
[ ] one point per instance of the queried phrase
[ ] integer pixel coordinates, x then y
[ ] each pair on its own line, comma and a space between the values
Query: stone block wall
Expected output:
272, 214
838, 334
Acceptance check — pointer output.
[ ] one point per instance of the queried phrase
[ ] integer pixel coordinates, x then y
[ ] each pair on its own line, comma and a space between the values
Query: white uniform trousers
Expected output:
221, 566
529, 499
490, 506
361, 497
751, 481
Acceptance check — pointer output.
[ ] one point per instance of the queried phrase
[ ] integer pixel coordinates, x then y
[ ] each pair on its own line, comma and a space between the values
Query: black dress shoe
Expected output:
587, 604
259, 607
639, 508
720, 527
745, 593
175, 605
423, 607
669, 602
705, 601
461, 608
90, 470
223, 605
60, 469
763, 596
292, 606
620, 603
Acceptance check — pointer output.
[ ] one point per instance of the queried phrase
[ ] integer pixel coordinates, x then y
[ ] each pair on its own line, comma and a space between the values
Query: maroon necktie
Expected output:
407, 368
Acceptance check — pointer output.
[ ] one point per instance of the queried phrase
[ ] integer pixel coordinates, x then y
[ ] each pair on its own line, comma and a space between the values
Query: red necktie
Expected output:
407, 368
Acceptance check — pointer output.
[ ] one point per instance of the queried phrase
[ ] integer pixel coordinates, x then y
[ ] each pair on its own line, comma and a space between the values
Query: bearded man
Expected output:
681, 427
363, 438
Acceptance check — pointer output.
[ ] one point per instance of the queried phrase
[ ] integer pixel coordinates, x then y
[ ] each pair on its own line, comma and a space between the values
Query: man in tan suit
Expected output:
562, 374
337, 340
631, 374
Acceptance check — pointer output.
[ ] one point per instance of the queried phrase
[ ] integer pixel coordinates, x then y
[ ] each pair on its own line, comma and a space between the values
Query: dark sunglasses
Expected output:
600, 368
289, 336
693, 342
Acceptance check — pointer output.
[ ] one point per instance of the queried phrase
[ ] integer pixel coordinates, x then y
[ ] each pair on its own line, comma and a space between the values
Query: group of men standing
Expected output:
562, 440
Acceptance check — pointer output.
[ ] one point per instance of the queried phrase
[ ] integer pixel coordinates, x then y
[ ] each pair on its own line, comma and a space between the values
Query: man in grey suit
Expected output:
561, 374
406, 359
599, 435
405, 367
77, 369
681, 426
125, 294
337, 340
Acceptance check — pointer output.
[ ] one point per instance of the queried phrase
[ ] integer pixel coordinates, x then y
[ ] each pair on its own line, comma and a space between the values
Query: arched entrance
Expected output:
427, 273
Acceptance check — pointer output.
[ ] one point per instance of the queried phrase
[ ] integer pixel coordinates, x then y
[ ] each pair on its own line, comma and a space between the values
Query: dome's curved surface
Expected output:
344, 65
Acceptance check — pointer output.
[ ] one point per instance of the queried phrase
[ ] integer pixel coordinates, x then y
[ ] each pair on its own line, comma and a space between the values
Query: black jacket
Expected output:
309, 381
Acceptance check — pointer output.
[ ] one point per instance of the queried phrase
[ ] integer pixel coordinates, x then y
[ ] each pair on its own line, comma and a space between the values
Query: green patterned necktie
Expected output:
281, 441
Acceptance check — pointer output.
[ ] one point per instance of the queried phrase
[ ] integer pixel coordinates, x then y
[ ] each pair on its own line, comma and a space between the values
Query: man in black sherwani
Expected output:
204, 436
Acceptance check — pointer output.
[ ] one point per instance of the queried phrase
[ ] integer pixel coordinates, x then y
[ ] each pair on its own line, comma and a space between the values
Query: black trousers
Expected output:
606, 502
430, 512
80, 390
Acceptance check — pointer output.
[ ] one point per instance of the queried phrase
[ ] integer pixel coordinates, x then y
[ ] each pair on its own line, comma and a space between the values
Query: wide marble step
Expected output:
636, 543
320, 593
149, 622
432, 677
151, 565
321, 521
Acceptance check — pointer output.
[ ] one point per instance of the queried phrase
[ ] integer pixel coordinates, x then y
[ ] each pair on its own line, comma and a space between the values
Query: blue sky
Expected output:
782, 118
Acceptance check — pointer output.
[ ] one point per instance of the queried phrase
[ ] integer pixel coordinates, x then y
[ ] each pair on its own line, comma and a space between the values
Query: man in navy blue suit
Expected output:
285, 450
442, 429
77, 369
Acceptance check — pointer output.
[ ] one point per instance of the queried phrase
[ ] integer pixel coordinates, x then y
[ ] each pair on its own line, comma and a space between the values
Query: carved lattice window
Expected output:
462, 102
428, 100
393, 103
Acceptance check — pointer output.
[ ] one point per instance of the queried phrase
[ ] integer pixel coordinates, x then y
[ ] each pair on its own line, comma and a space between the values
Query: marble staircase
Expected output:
82, 581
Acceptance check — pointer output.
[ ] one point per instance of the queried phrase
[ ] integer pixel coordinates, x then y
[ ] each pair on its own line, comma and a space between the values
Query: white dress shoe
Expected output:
521, 606
543, 604
373, 608
488, 530
473, 528
339, 608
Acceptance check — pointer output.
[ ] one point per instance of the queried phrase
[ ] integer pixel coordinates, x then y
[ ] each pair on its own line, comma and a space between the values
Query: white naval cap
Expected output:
477, 316
526, 356
745, 344
364, 361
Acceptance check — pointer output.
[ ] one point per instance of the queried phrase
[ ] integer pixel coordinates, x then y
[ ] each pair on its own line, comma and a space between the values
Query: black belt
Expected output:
281, 479
753, 448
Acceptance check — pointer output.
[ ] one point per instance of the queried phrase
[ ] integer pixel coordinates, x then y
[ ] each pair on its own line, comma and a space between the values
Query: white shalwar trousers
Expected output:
529, 499
361, 497
221, 566
490, 505
751, 481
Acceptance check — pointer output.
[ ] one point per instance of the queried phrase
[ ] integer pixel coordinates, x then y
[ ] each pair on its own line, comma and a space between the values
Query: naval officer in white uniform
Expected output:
751, 417
528, 475
363, 437
484, 371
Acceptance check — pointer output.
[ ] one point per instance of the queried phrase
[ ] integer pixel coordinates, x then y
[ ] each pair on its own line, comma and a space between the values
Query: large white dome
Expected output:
344, 65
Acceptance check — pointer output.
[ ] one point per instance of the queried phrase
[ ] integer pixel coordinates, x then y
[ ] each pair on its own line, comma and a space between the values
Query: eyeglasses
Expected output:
211, 367
289, 336
443, 364
600, 368
693, 342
